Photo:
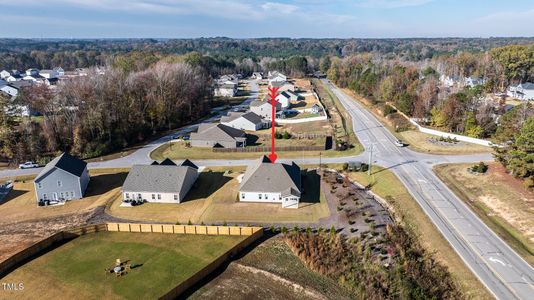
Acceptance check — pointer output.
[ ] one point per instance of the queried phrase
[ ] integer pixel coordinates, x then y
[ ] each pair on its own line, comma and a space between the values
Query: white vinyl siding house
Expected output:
268, 182
160, 183
64, 178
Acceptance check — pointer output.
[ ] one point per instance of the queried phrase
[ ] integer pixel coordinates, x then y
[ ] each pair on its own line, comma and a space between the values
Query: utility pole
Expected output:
370, 160
319, 161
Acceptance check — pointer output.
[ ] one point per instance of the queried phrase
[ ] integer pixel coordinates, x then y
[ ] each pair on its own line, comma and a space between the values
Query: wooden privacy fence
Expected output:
268, 148
299, 136
183, 229
251, 234
56, 239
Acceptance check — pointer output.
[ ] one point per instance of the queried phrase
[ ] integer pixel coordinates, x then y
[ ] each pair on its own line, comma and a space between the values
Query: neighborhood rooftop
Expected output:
156, 178
264, 176
65, 162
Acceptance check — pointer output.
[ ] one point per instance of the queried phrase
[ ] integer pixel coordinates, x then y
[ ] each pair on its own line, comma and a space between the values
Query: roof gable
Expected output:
65, 162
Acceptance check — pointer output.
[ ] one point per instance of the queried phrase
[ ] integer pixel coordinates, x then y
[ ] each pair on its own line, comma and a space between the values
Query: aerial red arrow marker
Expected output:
273, 92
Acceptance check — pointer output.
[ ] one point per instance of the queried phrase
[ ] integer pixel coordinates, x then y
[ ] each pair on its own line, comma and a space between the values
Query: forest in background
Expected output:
397, 74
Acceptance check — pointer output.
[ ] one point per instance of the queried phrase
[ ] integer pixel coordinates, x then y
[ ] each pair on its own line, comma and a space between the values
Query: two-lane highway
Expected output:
497, 266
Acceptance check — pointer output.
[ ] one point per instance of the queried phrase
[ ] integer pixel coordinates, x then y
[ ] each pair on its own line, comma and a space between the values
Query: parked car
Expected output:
28, 165
177, 137
399, 143
185, 138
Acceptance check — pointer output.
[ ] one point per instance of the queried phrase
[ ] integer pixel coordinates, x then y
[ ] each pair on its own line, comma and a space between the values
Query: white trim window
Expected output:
159, 196
259, 196
153, 196
39, 185
59, 184
175, 197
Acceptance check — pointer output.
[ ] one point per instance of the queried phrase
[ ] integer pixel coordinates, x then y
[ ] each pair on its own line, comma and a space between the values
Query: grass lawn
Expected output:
20, 204
499, 200
179, 151
213, 199
388, 186
75, 270
419, 141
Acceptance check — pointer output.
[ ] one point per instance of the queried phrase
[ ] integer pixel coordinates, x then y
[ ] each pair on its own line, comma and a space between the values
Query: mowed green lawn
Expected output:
76, 269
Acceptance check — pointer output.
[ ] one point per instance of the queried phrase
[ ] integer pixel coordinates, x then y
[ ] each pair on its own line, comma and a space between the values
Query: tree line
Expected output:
96, 114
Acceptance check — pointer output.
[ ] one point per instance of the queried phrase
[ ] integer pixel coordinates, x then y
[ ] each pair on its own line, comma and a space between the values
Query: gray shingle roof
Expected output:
264, 176
65, 162
250, 116
219, 132
157, 178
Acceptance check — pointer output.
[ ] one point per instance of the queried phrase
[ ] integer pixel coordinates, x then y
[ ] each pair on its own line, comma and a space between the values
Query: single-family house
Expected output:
218, 136
276, 76
287, 87
6, 73
34, 78
10, 75
474, 81
277, 84
32, 72
449, 81
269, 182
244, 121
48, 74
64, 178
284, 99
257, 75
10, 90
225, 90
165, 182
316, 109
264, 108
228, 78
59, 71
523, 91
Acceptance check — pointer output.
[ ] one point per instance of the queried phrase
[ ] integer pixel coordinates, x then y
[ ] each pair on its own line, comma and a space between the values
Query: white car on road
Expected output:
28, 165
399, 143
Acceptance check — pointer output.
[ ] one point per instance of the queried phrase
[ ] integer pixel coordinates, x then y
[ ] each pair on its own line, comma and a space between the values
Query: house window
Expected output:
266, 198
175, 197
39, 185
45, 197
153, 196
280, 197
259, 195
59, 183
159, 196
72, 194
242, 196
127, 196
139, 196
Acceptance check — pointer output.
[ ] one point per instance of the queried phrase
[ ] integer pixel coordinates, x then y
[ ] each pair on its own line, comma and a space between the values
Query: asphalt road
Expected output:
499, 268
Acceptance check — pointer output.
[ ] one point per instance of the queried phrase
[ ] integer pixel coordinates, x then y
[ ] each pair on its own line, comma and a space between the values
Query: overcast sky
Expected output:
257, 18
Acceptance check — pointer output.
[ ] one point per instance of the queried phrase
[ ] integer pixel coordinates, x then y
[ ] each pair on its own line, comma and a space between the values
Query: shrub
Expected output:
345, 166
178, 223
287, 135
272, 229
189, 222
225, 224
364, 168
388, 109
529, 182
278, 135
296, 229
284, 229
351, 222
481, 168
332, 229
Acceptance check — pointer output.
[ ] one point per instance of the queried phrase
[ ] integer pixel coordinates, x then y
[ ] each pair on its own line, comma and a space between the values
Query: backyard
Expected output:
76, 269
499, 199
20, 204
213, 199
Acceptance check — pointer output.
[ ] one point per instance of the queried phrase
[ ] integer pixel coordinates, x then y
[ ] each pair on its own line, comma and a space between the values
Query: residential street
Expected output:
505, 274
